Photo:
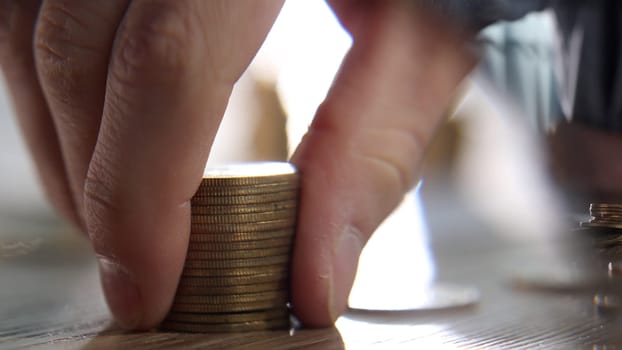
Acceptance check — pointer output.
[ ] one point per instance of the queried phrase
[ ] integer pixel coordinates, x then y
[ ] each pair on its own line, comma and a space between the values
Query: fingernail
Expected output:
345, 262
121, 293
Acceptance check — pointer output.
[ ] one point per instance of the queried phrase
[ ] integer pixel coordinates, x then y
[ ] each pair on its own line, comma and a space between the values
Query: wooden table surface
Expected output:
50, 298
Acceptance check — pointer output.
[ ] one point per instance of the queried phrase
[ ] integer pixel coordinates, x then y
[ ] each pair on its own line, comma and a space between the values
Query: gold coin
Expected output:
281, 270
615, 210
263, 315
238, 254
242, 218
601, 225
604, 224
605, 206
285, 233
244, 245
244, 209
615, 216
245, 200
277, 295
213, 191
251, 173
239, 280
258, 226
225, 327
607, 214
247, 182
605, 221
616, 219
228, 308
282, 284
238, 263
613, 219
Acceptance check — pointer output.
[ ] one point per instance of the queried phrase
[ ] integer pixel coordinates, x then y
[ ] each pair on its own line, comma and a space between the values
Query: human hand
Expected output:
120, 101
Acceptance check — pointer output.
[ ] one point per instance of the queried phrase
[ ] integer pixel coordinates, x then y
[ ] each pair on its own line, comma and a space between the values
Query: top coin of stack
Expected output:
605, 216
235, 277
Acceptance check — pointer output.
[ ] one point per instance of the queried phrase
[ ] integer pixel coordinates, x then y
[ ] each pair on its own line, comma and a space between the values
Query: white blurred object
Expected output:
301, 54
304, 51
20, 191
234, 140
396, 267
502, 169
519, 58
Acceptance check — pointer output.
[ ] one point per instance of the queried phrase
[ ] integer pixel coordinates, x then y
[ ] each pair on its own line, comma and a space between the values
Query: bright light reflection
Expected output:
396, 266
303, 50
364, 335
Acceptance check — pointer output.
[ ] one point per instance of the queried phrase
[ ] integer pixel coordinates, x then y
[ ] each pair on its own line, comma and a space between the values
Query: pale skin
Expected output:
119, 102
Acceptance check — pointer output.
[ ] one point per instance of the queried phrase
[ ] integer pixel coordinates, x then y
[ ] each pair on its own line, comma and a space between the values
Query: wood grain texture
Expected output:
50, 299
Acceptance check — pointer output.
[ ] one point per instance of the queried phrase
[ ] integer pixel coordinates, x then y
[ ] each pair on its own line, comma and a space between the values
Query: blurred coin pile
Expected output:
605, 229
604, 216
605, 226
235, 277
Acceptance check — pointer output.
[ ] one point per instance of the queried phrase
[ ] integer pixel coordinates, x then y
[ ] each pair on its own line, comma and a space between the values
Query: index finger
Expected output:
172, 69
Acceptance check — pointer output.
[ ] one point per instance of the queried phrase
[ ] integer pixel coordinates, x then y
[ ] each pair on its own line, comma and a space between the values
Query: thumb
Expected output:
363, 150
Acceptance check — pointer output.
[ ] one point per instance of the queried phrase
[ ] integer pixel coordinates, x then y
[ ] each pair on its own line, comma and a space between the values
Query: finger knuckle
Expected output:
58, 48
395, 153
156, 41
100, 201
328, 117
56, 37
391, 150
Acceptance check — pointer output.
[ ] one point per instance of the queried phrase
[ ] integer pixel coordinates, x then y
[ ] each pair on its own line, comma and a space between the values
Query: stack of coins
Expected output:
236, 272
605, 216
